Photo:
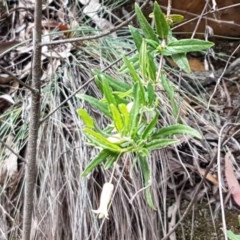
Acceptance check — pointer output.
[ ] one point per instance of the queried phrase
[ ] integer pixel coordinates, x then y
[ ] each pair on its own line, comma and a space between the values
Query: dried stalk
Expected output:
30, 177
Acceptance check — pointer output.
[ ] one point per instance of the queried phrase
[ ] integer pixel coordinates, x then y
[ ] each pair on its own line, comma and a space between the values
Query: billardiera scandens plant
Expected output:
132, 108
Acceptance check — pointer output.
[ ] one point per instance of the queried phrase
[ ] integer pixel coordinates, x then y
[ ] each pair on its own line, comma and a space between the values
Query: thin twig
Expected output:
169, 7
31, 157
200, 17
102, 34
18, 80
11, 150
220, 78
220, 180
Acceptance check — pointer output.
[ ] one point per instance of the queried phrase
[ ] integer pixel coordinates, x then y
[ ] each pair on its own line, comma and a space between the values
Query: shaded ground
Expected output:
200, 225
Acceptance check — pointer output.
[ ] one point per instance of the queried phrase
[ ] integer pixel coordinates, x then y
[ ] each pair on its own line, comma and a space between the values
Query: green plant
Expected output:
232, 236
133, 108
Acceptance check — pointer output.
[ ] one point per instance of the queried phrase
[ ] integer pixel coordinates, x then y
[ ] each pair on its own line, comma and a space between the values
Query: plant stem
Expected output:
30, 177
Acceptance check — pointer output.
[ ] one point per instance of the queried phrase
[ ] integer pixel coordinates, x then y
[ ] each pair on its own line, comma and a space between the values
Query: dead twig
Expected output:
18, 80
30, 176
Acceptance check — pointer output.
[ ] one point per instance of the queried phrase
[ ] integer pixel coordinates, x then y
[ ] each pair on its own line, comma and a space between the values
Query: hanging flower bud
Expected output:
105, 198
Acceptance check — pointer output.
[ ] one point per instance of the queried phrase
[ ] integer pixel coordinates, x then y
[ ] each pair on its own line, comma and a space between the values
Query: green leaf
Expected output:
137, 37
174, 18
160, 143
147, 178
117, 118
144, 24
232, 236
96, 161
96, 103
87, 119
108, 91
152, 45
142, 93
162, 26
150, 127
98, 81
182, 62
116, 85
169, 88
134, 113
121, 97
147, 64
143, 60
151, 96
176, 129
100, 141
131, 70
185, 46
151, 68
126, 118
134, 59
113, 157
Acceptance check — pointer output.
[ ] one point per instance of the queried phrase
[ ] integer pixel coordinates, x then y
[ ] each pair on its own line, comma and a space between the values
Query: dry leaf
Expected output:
7, 98
231, 179
209, 176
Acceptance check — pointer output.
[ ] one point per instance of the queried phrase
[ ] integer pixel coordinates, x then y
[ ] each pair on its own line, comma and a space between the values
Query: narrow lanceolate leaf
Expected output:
151, 95
143, 59
87, 119
162, 26
151, 68
232, 236
134, 59
147, 132
169, 88
96, 161
116, 85
137, 37
144, 24
160, 143
182, 62
117, 118
142, 93
98, 140
98, 81
147, 178
96, 103
175, 130
134, 113
174, 18
131, 70
111, 159
185, 46
108, 91
126, 118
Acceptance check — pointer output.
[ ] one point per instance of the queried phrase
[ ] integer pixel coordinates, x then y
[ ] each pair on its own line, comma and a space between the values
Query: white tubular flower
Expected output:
105, 198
